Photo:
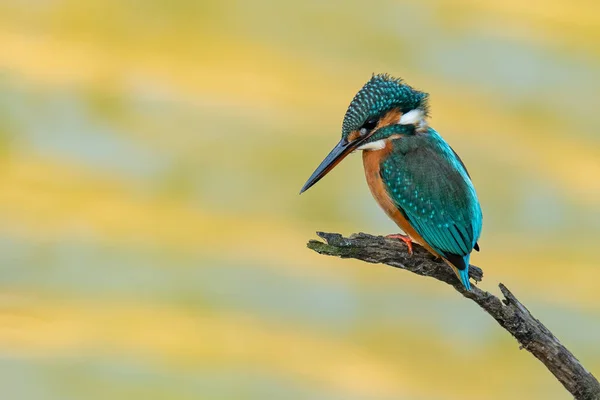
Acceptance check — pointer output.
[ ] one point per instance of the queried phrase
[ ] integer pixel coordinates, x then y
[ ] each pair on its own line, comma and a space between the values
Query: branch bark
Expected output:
509, 312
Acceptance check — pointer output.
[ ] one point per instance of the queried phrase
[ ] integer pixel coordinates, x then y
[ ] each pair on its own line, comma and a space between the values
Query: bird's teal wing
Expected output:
430, 185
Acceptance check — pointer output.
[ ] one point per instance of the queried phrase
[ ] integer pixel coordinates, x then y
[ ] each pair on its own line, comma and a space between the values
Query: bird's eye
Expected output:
368, 126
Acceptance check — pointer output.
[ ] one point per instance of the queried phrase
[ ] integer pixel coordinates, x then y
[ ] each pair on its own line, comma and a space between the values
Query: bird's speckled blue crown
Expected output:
382, 93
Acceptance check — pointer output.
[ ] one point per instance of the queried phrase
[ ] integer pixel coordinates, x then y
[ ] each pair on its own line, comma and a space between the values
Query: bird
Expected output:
419, 181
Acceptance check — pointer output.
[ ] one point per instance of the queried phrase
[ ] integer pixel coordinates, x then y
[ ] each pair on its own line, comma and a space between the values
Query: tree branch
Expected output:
509, 312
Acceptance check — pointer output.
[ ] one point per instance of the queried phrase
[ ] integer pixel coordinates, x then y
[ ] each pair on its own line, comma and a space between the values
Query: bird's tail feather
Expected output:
464, 277
463, 274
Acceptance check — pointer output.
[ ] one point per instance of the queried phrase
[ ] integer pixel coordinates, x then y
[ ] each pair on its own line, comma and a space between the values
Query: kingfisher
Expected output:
416, 177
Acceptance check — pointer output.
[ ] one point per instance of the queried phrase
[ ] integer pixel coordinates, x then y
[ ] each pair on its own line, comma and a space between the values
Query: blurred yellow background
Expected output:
152, 236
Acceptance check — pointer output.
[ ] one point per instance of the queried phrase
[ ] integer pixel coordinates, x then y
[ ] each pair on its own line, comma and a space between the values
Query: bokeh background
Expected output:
152, 240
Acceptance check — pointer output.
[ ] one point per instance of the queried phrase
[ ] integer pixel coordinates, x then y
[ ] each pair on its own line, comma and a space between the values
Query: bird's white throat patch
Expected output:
376, 145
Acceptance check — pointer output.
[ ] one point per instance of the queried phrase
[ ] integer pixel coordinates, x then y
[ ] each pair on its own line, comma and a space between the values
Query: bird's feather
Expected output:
430, 185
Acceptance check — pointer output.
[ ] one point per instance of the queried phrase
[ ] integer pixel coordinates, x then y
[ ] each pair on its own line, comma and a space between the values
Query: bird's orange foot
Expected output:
405, 238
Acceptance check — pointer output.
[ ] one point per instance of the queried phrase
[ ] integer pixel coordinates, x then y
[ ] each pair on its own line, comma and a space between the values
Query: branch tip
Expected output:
509, 312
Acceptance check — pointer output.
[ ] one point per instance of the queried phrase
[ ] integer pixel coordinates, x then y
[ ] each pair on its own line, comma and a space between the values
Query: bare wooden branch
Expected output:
509, 312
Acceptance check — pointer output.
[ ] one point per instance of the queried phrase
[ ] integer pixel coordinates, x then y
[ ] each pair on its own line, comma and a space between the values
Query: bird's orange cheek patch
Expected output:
392, 117
353, 136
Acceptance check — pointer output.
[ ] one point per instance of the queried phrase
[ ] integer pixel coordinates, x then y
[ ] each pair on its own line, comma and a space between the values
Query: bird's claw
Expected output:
405, 238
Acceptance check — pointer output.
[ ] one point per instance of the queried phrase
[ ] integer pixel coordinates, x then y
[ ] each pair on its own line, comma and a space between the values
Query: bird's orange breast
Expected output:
372, 161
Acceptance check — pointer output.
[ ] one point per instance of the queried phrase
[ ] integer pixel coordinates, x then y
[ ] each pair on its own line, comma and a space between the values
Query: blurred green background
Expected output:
152, 240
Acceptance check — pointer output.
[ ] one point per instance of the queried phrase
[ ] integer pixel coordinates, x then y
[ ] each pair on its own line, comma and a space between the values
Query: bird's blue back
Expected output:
429, 183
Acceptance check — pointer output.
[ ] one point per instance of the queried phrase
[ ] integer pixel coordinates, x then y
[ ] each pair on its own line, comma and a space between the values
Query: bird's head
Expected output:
382, 108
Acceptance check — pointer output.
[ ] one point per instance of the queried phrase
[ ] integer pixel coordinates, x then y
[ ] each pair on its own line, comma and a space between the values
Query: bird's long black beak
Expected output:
339, 152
